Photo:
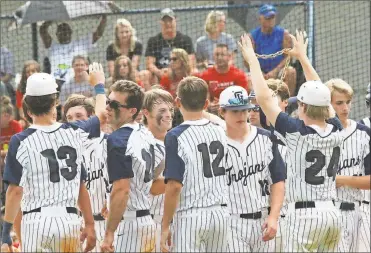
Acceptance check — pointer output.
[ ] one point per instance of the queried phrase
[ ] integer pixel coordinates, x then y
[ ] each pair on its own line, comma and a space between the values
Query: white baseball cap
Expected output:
314, 93
41, 84
234, 98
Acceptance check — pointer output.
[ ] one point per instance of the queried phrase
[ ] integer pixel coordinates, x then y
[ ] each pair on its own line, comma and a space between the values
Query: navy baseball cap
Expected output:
267, 10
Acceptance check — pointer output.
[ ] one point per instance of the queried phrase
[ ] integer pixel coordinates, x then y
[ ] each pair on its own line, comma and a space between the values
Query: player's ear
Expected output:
133, 111
206, 105
177, 102
221, 112
145, 112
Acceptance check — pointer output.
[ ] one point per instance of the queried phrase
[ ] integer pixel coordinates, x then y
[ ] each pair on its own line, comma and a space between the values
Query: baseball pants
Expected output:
350, 220
52, 229
364, 229
158, 219
279, 239
247, 235
135, 234
100, 229
313, 227
201, 230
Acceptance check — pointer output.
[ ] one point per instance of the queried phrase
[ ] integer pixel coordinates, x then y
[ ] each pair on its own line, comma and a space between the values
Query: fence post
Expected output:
35, 52
310, 31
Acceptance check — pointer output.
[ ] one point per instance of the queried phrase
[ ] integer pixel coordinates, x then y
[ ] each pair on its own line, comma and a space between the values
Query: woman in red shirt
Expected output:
179, 68
29, 68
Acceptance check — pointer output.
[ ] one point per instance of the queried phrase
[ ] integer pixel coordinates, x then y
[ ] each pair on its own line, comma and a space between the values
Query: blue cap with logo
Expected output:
267, 10
234, 98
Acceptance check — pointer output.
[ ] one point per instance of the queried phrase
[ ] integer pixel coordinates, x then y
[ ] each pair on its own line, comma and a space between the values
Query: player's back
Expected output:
312, 159
201, 147
47, 160
142, 156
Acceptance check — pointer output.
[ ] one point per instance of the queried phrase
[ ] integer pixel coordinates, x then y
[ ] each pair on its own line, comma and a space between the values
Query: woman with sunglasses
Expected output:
179, 68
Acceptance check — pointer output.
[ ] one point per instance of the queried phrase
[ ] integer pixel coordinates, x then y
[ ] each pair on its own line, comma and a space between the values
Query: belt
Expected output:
346, 206
269, 212
98, 217
138, 214
365, 202
224, 205
254, 216
305, 204
38, 210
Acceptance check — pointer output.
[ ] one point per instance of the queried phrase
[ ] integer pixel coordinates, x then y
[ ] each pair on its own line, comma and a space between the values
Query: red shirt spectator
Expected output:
219, 81
169, 85
7, 132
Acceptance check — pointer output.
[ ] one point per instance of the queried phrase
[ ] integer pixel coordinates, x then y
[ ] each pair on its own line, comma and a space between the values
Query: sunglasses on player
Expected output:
115, 104
255, 109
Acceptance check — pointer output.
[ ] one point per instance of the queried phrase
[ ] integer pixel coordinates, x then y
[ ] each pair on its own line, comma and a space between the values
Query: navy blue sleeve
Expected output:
367, 159
174, 165
119, 164
91, 126
13, 169
277, 166
83, 174
336, 122
286, 124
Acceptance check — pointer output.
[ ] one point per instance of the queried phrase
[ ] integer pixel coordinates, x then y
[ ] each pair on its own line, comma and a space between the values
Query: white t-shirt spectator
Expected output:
205, 46
61, 55
72, 87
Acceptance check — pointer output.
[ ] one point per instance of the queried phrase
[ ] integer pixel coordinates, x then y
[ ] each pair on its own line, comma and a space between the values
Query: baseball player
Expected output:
44, 172
354, 171
132, 158
256, 176
313, 152
195, 176
158, 110
364, 230
78, 107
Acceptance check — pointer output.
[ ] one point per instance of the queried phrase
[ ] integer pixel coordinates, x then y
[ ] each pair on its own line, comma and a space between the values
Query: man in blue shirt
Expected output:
269, 38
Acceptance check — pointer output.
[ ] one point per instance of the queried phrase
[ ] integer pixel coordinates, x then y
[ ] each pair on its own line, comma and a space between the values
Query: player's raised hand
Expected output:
300, 44
88, 234
107, 244
269, 228
165, 240
96, 74
246, 47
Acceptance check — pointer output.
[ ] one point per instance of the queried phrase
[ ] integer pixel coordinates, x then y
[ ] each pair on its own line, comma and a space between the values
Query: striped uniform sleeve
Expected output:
13, 167
174, 164
90, 126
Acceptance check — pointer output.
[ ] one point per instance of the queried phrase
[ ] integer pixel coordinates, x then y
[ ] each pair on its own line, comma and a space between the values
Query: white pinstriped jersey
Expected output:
366, 193
256, 165
354, 159
133, 154
95, 162
46, 161
312, 159
157, 202
196, 153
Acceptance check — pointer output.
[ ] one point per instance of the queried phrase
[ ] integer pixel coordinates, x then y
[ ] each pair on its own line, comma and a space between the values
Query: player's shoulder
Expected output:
263, 132
178, 130
17, 138
119, 137
363, 128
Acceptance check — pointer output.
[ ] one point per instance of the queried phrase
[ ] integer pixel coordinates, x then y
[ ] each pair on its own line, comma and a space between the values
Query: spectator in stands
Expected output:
270, 38
159, 47
29, 68
222, 75
125, 43
123, 70
79, 82
7, 71
179, 68
214, 28
9, 126
62, 52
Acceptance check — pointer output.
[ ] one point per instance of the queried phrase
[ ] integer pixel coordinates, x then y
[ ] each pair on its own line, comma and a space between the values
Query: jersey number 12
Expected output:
215, 148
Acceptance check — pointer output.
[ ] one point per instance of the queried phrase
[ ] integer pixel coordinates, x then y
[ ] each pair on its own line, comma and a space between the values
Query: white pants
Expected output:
51, 230
350, 220
201, 230
279, 239
158, 219
364, 229
135, 235
247, 236
100, 229
313, 229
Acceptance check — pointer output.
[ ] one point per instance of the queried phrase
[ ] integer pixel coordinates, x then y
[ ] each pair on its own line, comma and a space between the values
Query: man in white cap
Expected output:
255, 176
44, 170
313, 152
